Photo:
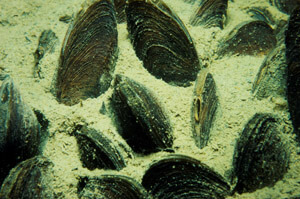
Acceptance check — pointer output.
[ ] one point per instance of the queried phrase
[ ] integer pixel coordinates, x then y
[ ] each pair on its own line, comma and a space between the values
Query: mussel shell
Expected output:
162, 42
261, 14
292, 43
271, 78
210, 13
139, 117
20, 134
89, 53
204, 106
111, 187
179, 176
286, 6
97, 151
120, 10
261, 156
28, 180
249, 38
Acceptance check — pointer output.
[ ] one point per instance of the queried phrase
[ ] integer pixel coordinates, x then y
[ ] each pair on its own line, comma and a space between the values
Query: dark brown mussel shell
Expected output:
205, 103
179, 176
88, 55
97, 151
249, 38
28, 180
286, 6
210, 13
261, 156
120, 10
292, 42
20, 134
271, 78
162, 42
111, 187
139, 117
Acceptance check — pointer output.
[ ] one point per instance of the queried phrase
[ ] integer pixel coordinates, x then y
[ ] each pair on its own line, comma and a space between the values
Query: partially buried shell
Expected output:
249, 38
262, 153
162, 42
271, 78
205, 103
29, 179
141, 120
292, 42
20, 134
111, 186
97, 151
88, 55
179, 176
285, 6
210, 13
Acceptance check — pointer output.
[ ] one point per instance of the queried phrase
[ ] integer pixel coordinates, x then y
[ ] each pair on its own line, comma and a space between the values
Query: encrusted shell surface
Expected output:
292, 42
28, 180
271, 78
204, 106
140, 119
261, 156
249, 38
162, 42
20, 134
112, 187
210, 13
179, 176
97, 151
88, 55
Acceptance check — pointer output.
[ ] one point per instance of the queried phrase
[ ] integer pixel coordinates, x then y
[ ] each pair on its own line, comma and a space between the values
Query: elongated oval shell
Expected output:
210, 13
179, 176
205, 103
292, 43
271, 78
120, 10
20, 134
97, 151
261, 155
249, 38
141, 120
89, 53
162, 42
28, 180
111, 186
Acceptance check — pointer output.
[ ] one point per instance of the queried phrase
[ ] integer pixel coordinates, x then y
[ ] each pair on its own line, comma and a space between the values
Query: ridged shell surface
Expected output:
162, 42
261, 156
20, 134
142, 122
210, 13
89, 53
179, 176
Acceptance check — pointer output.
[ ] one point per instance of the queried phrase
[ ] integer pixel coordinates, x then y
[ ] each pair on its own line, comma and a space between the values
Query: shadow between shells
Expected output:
142, 126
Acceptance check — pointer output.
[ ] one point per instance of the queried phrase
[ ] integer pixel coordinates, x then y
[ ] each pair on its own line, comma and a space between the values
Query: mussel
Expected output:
140, 119
261, 156
111, 186
20, 134
120, 10
210, 13
286, 6
179, 176
292, 43
162, 42
88, 54
29, 179
271, 78
249, 38
205, 103
97, 151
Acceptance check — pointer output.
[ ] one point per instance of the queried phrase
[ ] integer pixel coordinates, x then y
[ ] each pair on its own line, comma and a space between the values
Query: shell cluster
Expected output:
164, 46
